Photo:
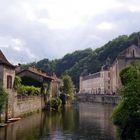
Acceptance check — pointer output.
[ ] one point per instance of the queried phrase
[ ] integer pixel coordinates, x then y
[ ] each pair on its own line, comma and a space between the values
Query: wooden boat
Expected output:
13, 119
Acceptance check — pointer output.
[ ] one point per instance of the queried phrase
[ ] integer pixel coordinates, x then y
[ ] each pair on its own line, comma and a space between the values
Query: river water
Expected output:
82, 122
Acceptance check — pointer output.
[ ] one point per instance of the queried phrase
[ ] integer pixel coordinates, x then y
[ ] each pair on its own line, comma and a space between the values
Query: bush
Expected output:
55, 103
28, 90
3, 98
126, 116
25, 90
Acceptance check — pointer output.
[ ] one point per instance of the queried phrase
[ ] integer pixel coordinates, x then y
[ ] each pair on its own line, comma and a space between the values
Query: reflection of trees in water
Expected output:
58, 121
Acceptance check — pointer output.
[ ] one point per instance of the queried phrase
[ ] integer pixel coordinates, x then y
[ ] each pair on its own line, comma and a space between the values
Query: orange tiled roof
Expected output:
39, 72
36, 71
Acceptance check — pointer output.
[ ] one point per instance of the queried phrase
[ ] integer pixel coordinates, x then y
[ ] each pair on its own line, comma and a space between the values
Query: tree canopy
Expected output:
68, 87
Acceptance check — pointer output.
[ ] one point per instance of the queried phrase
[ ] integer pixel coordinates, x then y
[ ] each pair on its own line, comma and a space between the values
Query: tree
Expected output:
126, 115
3, 97
68, 87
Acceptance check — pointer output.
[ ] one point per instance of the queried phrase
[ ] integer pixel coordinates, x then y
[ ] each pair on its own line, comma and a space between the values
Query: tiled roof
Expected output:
4, 61
37, 72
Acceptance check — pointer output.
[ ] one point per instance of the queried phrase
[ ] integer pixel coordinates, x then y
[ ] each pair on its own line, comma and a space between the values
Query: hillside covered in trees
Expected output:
90, 60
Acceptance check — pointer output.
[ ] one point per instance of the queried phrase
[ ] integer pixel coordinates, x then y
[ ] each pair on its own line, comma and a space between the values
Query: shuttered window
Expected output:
9, 81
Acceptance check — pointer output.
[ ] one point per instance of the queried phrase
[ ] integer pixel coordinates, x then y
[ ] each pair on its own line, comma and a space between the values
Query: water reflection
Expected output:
85, 122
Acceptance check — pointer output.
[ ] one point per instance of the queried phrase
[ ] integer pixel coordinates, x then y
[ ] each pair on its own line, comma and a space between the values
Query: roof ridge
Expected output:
4, 61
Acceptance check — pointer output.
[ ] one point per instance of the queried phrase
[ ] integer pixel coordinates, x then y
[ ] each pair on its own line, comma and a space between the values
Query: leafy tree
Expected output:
127, 114
3, 97
68, 87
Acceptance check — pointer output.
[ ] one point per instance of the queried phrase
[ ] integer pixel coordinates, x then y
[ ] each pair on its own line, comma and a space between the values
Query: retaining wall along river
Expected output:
98, 98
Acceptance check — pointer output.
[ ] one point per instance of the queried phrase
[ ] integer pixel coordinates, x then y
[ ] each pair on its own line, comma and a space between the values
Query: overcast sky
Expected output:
31, 30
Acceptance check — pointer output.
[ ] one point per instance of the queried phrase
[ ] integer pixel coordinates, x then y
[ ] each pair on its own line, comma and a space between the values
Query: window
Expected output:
9, 81
133, 54
108, 74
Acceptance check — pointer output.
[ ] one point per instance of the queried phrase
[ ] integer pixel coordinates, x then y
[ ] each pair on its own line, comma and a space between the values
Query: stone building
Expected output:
108, 80
7, 76
17, 106
35, 76
125, 58
97, 83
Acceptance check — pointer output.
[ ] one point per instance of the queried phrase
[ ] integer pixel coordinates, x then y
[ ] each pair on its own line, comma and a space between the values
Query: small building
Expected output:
7, 76
36, 77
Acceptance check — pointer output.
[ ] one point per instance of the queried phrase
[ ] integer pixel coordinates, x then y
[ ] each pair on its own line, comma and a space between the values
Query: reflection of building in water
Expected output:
108, 79
95, 118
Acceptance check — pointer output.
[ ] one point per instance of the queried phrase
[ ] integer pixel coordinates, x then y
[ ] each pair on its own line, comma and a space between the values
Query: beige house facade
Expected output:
97, 83
108, 81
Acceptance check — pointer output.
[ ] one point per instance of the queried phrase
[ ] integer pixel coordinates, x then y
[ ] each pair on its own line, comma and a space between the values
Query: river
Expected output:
85, 121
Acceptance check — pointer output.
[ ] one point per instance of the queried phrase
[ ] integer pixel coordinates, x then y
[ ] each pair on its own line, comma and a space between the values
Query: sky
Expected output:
31, 30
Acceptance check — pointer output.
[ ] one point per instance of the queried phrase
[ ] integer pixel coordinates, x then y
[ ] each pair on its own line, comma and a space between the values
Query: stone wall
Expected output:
97, 98
27, 105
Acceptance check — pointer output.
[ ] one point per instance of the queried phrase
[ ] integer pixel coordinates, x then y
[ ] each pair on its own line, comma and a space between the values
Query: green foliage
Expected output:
129, 74
127, 114
17, 82
75, 63
68, 87
28, 90
3, 97
55, 103
23, 89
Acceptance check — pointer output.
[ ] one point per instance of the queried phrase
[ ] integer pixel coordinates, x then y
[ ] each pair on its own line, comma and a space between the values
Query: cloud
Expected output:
31, 30
104, 26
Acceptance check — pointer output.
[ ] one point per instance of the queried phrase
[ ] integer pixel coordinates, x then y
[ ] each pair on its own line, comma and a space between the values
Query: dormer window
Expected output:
9, 81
